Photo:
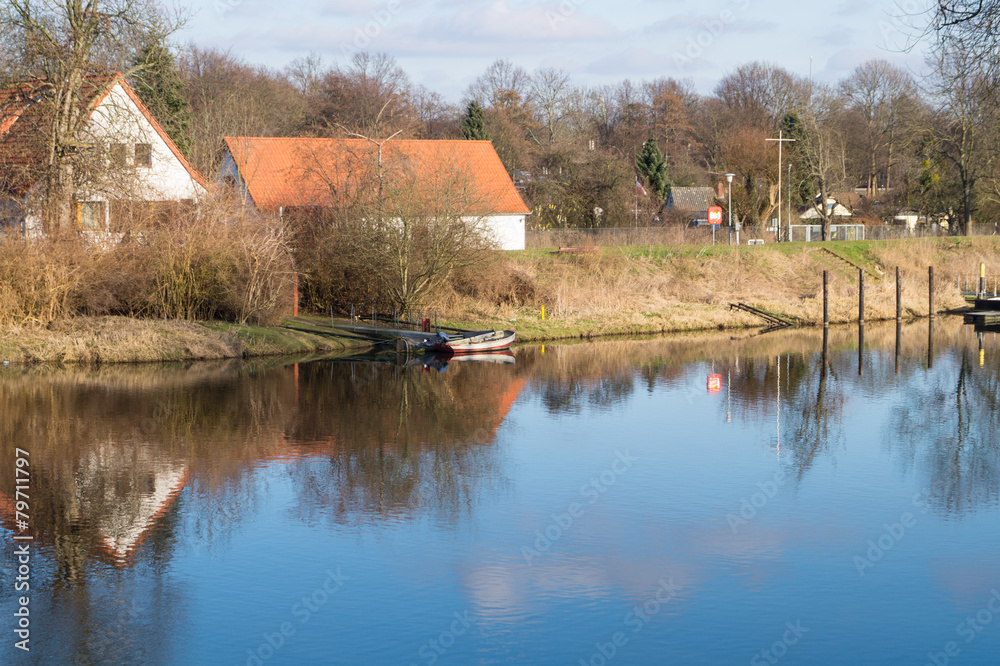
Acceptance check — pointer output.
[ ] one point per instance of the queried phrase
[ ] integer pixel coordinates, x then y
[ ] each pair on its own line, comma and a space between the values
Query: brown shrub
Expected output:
39, 281
497, 281
217, 264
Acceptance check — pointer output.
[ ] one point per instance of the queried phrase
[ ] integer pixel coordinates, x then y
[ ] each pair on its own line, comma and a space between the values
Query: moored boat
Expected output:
473, 342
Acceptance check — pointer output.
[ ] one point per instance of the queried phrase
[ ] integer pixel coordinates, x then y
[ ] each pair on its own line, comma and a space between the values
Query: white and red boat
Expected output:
474, 342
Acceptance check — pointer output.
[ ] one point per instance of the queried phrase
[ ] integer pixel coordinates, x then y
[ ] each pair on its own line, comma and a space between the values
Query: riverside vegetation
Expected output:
144, 301
629, 290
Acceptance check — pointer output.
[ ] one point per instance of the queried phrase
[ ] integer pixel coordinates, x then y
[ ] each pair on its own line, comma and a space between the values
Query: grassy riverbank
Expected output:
615, 291
125, 340
630, 290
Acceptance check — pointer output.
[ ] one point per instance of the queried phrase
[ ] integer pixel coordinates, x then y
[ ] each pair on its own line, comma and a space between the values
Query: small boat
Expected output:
444, 340
474, 342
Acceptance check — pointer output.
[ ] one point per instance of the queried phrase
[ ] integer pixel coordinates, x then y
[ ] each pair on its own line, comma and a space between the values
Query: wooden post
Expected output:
930, 291
861, 296
899, 296
295, 307
826, 299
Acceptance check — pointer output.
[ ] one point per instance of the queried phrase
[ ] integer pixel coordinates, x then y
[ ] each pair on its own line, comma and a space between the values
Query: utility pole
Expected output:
780, 140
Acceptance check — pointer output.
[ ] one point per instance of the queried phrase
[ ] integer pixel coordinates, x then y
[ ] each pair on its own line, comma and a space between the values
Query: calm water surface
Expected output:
687, 500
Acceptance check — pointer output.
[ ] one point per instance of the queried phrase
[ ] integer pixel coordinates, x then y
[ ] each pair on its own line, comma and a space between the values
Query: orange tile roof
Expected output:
310, 173
23, 124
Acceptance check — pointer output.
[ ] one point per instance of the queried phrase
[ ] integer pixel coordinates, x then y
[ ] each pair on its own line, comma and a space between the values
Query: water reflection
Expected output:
136, 468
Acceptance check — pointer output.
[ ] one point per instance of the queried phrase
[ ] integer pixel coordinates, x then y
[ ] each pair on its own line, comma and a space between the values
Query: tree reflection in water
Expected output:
132, 467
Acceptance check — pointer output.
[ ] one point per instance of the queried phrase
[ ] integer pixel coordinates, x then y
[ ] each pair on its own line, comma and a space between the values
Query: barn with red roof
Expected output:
282, 174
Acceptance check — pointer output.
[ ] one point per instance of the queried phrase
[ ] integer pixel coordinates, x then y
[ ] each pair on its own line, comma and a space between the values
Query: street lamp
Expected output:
729, 179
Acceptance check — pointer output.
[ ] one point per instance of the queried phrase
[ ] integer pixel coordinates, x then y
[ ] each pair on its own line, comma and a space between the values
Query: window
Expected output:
90, 215
118, 155
143, 155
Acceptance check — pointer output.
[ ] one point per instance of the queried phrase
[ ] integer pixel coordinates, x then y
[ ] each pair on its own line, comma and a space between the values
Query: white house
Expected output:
834, 208
281, 174
131, 165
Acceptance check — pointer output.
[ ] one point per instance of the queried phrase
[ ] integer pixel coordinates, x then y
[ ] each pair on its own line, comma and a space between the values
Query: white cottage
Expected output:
130, 166
277, 175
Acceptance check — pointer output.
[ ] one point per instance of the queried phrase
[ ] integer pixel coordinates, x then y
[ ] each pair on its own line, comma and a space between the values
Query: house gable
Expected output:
115, 115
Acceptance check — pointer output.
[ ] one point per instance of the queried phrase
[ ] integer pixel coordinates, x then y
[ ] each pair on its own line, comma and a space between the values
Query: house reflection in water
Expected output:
115, 452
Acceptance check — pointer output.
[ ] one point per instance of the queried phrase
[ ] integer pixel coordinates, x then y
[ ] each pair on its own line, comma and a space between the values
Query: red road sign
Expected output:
715, 215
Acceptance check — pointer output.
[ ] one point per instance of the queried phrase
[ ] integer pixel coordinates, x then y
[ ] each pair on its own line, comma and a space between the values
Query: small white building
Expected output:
131, 167
277, 175
834, 209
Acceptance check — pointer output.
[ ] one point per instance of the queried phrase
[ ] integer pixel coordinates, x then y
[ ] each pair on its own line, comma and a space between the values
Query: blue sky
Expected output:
445, 44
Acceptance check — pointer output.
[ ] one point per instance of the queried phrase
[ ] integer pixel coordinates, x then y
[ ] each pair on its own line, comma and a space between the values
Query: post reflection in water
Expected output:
180, 512
861, 349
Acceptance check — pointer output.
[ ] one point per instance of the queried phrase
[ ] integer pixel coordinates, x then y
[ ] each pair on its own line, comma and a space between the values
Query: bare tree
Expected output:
972, 26
549, 96
883, 96
229, 97
502, 84
747, 154
820, 145
372, 95
396, 226
761, 94
966, 133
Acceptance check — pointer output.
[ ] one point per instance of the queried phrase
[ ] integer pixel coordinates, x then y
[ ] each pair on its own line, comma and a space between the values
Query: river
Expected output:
698, 499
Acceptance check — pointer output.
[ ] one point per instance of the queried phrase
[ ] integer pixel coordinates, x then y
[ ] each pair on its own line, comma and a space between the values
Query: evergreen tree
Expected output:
803, 183
653, 167
159, 85
474, 126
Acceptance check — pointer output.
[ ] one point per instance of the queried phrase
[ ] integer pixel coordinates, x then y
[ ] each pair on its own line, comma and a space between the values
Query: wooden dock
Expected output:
987, 311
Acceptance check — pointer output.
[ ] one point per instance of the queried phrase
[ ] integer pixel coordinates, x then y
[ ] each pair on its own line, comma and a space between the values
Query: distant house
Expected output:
692, 202
131, 164
838, 210
281, 174
910, 218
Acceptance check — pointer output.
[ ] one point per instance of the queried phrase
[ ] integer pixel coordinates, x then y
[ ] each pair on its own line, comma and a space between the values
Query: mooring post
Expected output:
930, 291
899, 297
826, 299
861, 296
981, 290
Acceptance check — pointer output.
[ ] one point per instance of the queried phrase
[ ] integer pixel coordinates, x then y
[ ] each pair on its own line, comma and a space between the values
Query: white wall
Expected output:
119, 120
507, 230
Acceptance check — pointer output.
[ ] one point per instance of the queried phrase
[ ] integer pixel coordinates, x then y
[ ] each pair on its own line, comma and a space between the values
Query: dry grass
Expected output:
219, 264
625, 290
117, 339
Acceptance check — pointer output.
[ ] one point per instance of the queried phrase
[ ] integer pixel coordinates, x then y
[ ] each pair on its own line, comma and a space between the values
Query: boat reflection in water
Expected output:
435, 360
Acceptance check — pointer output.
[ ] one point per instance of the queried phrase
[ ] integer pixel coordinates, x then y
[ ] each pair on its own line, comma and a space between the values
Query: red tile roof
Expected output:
23, 125
309, 173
